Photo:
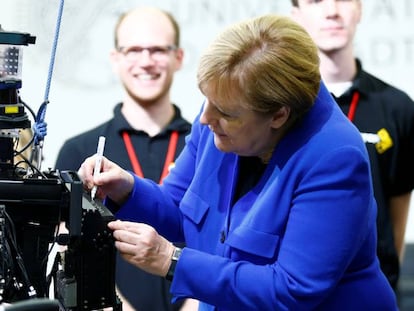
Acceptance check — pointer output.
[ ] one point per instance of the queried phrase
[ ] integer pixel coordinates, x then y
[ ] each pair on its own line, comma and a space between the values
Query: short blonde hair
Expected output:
267, 62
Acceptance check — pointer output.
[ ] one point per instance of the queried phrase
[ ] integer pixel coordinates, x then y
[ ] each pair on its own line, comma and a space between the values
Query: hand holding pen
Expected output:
98, 163
113, 181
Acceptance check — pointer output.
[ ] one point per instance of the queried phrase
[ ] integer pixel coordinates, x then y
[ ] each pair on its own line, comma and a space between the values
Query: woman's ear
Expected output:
280, 117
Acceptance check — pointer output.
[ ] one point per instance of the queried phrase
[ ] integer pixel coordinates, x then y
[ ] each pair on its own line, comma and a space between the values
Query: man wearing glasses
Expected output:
146, 132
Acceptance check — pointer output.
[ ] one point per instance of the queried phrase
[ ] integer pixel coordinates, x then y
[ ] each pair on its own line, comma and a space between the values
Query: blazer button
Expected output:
222, 236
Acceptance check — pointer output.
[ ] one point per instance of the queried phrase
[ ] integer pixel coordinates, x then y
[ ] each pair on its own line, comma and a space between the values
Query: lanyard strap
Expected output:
353, 106
169, 158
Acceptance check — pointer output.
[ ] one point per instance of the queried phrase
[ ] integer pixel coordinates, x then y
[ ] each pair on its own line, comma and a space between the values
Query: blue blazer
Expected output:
304, 238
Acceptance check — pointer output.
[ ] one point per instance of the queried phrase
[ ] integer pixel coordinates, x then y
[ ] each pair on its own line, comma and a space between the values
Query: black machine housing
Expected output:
84, 273
34, 204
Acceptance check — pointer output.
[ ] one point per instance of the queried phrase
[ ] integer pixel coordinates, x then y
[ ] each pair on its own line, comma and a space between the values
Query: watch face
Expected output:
177, 253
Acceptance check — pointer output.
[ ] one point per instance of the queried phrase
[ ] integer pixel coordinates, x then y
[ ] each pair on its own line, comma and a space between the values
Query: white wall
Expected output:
84, 91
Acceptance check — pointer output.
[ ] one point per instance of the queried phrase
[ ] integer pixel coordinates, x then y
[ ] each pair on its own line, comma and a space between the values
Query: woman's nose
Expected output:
206, 114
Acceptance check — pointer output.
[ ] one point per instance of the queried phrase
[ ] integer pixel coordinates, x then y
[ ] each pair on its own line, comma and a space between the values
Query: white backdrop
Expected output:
84, 91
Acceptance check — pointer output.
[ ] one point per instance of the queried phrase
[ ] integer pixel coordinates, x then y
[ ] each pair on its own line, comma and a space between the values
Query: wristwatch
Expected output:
174, 259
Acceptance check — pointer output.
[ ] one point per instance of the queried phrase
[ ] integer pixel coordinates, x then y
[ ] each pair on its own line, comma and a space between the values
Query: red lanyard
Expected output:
353, 106
169, 158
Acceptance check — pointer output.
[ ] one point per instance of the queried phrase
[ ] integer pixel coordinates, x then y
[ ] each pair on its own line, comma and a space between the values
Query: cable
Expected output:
18, 258
39, 127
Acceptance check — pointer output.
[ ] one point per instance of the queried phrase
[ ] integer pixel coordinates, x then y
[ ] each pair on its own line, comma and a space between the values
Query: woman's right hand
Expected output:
113, 181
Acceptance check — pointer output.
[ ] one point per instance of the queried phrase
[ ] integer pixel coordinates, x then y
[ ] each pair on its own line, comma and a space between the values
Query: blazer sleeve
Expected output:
159, 205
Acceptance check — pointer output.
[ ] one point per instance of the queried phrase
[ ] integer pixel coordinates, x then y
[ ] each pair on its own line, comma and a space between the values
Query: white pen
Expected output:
98, 162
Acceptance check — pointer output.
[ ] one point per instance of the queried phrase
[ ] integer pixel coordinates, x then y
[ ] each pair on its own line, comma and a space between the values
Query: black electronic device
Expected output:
35, 203
13, 117
83, 273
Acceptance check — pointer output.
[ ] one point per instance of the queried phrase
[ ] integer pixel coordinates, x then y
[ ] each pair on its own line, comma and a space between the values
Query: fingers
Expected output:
135, 237
112, 180
141, 245
115, 225
127, 238
85, 172
132, 227
138, 241
126, 247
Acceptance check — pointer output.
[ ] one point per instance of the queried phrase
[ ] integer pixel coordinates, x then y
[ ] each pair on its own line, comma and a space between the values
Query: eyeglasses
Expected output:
157, 53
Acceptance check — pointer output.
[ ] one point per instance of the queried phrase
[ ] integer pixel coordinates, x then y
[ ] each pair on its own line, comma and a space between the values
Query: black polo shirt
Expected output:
385, 117
149, 150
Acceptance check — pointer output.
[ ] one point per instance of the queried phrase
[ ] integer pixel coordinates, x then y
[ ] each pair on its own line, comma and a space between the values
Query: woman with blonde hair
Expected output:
272, 193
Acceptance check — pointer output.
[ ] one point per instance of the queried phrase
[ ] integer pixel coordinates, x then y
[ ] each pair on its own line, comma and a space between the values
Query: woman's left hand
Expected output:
142, 246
